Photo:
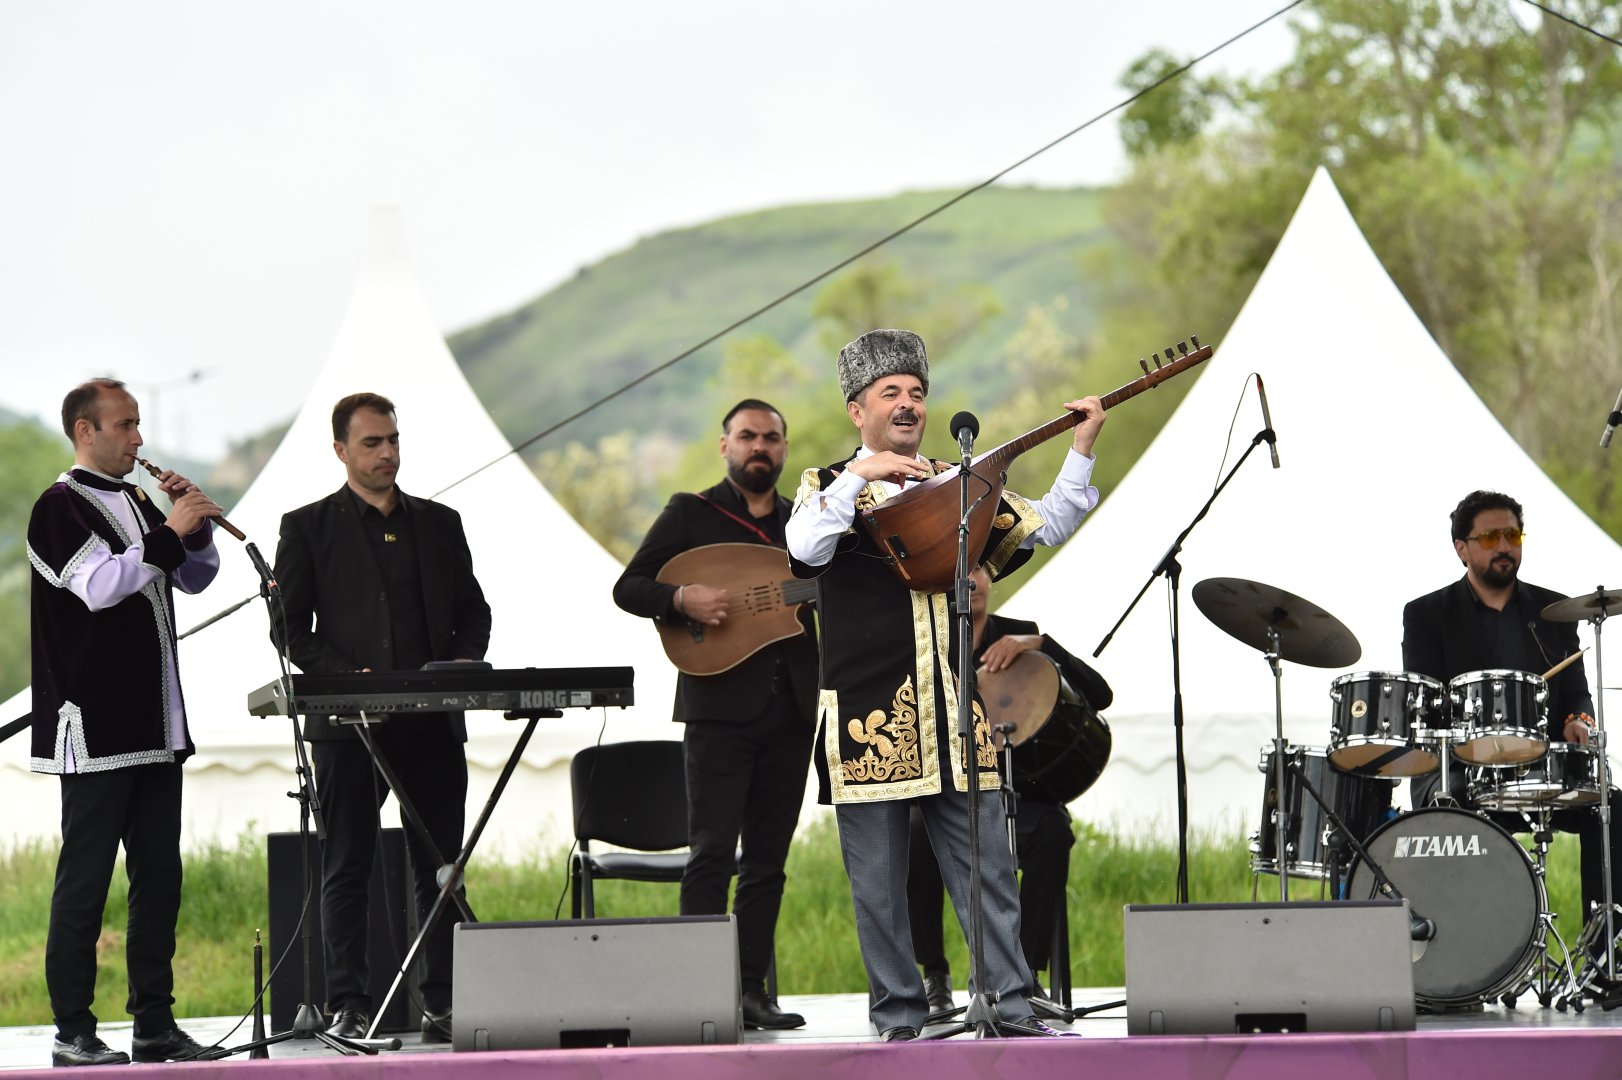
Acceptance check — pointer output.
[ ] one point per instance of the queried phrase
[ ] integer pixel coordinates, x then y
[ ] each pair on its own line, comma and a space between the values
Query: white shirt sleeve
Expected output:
814, 531
201, 565
1066, 503
103, 579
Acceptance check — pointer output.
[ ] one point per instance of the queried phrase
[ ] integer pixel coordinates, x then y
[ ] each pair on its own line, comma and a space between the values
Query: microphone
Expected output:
1267, 419
1420, 928
964, 428
1612, 422
266, 578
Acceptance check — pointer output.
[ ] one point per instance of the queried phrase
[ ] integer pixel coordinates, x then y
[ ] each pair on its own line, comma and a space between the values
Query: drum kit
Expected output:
1482, 924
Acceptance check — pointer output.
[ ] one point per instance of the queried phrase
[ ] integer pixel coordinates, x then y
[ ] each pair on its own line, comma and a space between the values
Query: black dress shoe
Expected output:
900, 1034
436, 1027
172, 1045
1032, 1026
938, 990
85, 1050
349, 1024
760, 1011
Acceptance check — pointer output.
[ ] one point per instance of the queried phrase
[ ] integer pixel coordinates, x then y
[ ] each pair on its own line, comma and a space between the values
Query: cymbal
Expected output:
1585, 608
1307, 634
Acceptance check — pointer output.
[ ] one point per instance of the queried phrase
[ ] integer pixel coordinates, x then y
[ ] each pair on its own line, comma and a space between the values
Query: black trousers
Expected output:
745, 785
1043, 838
140, 808
432, 769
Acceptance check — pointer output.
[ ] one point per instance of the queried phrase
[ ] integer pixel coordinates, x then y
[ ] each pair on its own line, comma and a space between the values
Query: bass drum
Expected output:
1476, 883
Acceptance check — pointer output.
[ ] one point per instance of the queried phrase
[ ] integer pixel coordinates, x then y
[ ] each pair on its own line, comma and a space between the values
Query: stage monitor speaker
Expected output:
1245, 968
597, 982
392, 916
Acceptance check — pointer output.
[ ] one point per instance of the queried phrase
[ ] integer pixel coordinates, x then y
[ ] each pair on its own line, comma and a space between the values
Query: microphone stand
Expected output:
307, 1022
981, 1018
1172, 570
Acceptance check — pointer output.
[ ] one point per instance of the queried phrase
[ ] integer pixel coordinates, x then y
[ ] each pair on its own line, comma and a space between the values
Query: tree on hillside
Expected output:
34, 458
1476, 152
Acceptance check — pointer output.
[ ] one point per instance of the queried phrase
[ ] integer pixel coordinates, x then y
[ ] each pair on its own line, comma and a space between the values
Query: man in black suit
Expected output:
747, 731
374, 579
1491, 619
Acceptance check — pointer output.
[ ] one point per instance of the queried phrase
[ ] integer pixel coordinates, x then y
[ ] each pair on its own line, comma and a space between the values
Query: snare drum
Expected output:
1381, 721
1567, 776
1499, 717
1315, 849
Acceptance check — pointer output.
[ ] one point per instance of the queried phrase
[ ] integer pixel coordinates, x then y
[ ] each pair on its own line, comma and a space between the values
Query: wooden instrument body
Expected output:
763, 605
917, 528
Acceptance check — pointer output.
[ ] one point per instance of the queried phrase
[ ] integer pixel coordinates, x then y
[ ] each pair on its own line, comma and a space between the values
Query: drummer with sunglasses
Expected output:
1491, 619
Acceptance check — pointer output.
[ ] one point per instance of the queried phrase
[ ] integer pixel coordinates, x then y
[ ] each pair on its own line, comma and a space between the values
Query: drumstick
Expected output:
1564, 664
226, 525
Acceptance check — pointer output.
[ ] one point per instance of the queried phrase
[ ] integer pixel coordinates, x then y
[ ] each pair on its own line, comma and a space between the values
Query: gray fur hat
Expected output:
878, 353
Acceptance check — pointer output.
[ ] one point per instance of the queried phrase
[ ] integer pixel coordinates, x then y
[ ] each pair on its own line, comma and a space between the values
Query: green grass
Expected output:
225, 902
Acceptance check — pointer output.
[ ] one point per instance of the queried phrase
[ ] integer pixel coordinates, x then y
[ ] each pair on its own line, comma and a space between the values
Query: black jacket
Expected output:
1081, 677
1442, 638
337, 618
738, 695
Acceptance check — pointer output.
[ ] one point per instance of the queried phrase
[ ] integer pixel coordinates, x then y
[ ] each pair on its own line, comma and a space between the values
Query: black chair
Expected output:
631, 795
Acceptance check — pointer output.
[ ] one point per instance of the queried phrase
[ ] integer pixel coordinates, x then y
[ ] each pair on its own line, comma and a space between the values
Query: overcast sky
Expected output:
186, 185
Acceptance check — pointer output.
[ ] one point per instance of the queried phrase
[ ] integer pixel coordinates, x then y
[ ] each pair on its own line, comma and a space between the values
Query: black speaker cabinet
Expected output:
597, 982
1240, 968
393, 919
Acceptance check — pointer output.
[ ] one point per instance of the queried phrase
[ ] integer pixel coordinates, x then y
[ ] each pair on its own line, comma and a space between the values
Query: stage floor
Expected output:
841, 1019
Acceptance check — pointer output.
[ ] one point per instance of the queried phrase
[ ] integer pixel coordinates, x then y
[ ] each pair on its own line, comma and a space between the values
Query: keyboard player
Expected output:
374, 579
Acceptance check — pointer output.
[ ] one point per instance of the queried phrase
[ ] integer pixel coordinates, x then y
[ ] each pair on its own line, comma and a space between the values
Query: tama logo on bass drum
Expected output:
1428, 847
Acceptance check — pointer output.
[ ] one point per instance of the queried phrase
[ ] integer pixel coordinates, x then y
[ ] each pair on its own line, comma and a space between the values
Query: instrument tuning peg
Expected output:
1195, 338
1157, 361
1168, 351
1182, 347
1144, 364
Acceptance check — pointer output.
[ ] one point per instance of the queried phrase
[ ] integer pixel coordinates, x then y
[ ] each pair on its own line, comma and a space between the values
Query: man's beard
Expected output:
752, 481
1498, 578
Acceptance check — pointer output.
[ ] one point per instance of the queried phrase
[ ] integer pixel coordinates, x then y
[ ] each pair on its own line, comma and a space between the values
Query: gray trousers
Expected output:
873, 838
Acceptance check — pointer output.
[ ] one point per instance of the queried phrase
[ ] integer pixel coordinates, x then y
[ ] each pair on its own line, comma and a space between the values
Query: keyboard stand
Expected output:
450, 875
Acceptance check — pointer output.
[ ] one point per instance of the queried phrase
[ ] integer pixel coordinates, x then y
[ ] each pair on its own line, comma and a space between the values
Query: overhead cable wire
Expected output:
1175, 73
1568, 19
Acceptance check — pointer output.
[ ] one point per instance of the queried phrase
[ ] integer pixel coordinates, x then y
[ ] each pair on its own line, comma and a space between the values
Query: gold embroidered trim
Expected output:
894, 737
810, 484
1029, 522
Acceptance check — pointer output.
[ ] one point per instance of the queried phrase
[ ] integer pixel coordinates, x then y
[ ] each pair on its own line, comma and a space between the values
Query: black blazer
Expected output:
1442, 638
336, 618
739, 695
1081, 677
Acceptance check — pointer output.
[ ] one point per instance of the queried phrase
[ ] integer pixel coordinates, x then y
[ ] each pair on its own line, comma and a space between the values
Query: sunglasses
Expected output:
1489, 538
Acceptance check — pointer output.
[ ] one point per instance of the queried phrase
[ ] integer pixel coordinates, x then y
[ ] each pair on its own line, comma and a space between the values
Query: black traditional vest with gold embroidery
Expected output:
887, 707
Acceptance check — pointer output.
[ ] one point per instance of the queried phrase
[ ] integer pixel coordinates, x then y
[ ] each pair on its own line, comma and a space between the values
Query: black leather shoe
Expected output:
760, 1011
349, 1024
1031, 1025
900, 1034
436, 1027
172, 1045
85, 1050
938, 990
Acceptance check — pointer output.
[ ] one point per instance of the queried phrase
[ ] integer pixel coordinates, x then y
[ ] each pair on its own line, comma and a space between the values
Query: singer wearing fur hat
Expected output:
887, 702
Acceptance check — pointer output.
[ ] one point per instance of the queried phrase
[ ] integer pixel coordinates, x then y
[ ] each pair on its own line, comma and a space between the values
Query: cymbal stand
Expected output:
1604, 788
1281, 816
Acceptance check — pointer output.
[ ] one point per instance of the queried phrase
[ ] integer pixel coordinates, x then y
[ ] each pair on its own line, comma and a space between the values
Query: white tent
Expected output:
1379, 437
547, 581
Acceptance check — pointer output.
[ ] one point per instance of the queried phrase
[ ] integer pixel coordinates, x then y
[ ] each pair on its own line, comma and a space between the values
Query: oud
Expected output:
763, 605
917, 529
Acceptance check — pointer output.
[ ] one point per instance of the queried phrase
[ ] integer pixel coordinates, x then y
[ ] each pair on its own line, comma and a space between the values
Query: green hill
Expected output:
622, 316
